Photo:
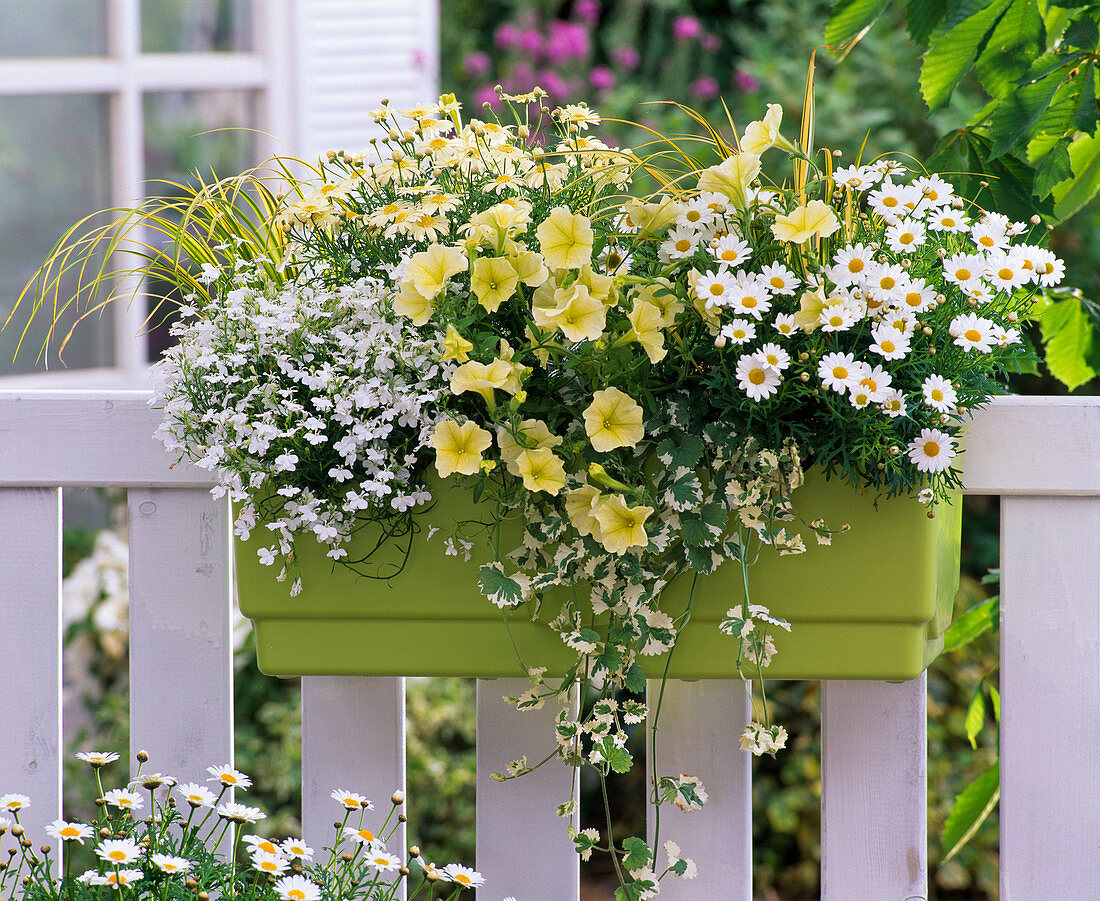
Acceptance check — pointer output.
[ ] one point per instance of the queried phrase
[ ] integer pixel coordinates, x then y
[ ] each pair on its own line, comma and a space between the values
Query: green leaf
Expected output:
850, 18
972, 807
953, 54
995, 697
1072, 194
975, 717
1052, 170
1068, 338
638, 853
1085, 116
1013, 44
635, 679
685, 491
978, 620
1082, 33
1016, 116
499, 588
922, 17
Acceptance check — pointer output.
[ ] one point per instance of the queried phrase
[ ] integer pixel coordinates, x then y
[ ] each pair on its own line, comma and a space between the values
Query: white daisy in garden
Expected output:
297, 888
989, 234
117, 851
228, 776
749, 296
1005, 270
730, 250
779, 279
858, 178
739, 331
838, 372
13, 802
892, 201
972, 332
117, 878
893, 403
715, 288
926, 496
963, 268
935, 190
696, 214
166, 863
1006, 336
756, 378
124, 799
859, 398
889, 343
97, 758
383, 860
905, 236
947, 219
886, 280
888, 168
362, 837
295, 847
680, 244
239, 813
917, 295
197, 795
1048, 268
716, 203
978, 289
838, 317
939, 393
784, 324
875, 381
901, 321
351, 800
850, 265
775, 356
273, 864
932, 450
463, 876
257, 844
65, 831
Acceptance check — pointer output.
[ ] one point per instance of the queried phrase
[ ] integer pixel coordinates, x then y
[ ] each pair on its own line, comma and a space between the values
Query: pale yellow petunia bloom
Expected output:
565, 239
579, 315
455, 347
656, 216
493, 281
815, 219
762, 135
414, 305
482, 378
458, 448
622, 527
646, 322
612, 420
535, 434
732, 177
430, 270
530, 268
580, 506
541, 470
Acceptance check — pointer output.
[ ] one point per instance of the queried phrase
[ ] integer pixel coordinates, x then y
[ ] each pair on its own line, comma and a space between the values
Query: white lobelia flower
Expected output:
932, 450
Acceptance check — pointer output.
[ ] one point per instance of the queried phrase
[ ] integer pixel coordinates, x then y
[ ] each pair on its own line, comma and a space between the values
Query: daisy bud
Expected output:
962, 411
931, 513
45, 849
894, 450
926, 331
143, 756
523, 132
409, 135
881, 466
17, 831
204, 896
191, 882
1050, 228
803, 356
346, 857
414, 850
940, 298
393, 135
404, 871
906, 263
1035, 220
431, 876
932, 351
805, 376
398, 797
837, 154
971, 302
957, 203
337, 825
401, 818
984, 184
104, 833
331, 156
720, 341
1012, 317
941, 253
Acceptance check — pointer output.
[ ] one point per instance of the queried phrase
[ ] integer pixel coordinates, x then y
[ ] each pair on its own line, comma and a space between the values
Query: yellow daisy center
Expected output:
717, 290
947, 222
776, 282
693, 216
839, 372
683, 245
116, 855
855, 265
1006, 274
269, 865
297, 894
463, 878
749, 302
985, 241
931, 449
836, 320
972, 334
889, 201
907, 238
962, 274
68, 831
937, 395
913, 299
887, 346
888, 282
756, 376
229, 778
367, 834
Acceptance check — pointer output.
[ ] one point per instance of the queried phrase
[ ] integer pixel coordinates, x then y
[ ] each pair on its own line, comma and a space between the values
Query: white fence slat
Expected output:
522, 846
181, 643
1050, 698
353, 739
698, 732
30, 652
874, 840
91, 438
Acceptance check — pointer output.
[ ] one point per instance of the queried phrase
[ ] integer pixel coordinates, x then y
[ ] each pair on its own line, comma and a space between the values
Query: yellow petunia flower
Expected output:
455, 347
565, 239
612, 420
534, 432
811, 304
732, 177
430, 270
541, 470
580, 506
579, 315
622, 527
458, 448
660, 294
493, 281
602, 287
654, 217
530, 268
816, 218
646, 324
482, 378
414, 305
760, 136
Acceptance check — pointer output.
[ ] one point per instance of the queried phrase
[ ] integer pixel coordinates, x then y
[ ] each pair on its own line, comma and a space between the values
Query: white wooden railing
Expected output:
1042, 455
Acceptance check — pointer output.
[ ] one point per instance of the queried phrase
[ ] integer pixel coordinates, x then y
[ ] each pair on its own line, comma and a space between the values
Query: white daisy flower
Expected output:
680, 244
1006, 271
858, 178
935, 190
1006, 336
972, 332
886, 280
295, 847
257, 844
228, 776
756, 378
384, 861
749, 296
932, 450
274, 864
166, 863
117, 878
892, 201
784, 324
947, 220
463, 876
838, 372
117, 851
905, 236
859, 398
14, 802
362, 837
97, 758
124, 799
696, 214
889, 342
739, 331
849, 265
901, 321
239, 813
1050, 269
730, 250
918, 295
69, 832
875, 381
775, 356
351, 800
297, 888
779, 279
893, 403
715, 288
989, 234
197, 795
963, 268
939, 393
838, 317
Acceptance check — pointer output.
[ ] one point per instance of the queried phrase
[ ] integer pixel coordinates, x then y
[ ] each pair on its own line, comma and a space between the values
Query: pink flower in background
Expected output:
476, 63
626, 57
745, 82
705, 88
529, 41
710, 42
686, 28
602, 78
587, 11
523, 79
506, 36
554, 85
567, 40
488, 95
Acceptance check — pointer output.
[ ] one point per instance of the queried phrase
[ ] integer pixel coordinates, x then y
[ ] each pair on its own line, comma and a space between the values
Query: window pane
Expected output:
54, 170
53, 28
190, 26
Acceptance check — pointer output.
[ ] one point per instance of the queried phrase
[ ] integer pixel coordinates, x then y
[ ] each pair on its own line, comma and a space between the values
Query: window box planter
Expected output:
873, 605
